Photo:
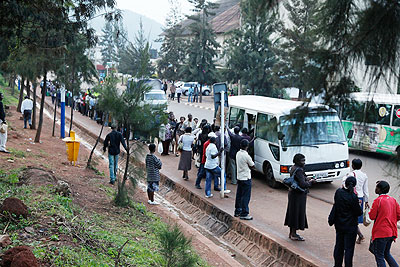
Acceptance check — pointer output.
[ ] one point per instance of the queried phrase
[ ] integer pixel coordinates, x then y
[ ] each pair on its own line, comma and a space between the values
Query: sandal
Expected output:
296, 238
360, 240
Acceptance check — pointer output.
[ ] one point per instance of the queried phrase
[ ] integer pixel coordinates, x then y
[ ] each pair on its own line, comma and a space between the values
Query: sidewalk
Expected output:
268, 207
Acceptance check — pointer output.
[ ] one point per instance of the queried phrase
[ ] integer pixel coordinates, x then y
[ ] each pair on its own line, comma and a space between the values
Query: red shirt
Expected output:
386, 212
203, 158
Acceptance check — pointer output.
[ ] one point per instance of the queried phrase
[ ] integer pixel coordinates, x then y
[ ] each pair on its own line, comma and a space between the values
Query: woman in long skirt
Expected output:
185, 161
296, 217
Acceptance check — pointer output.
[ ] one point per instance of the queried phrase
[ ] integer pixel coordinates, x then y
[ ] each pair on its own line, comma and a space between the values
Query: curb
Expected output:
259, 248
198, 106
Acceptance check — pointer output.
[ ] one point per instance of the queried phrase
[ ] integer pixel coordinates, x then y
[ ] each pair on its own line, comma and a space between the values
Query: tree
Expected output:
249, 51
113, 41
135, 58
202, 46
171, 52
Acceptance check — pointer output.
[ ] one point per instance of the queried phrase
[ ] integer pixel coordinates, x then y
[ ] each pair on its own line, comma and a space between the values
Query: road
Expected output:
268, 206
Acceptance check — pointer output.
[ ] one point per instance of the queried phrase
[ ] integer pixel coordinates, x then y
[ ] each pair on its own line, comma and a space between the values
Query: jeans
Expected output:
201, 173
382, 252
196, 98
27, 117
179, 97
113, 164
213, 174
243, 194
232, 170
344, 246
190, 97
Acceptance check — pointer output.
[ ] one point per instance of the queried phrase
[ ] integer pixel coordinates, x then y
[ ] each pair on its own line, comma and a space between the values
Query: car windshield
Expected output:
160, 96
312, 129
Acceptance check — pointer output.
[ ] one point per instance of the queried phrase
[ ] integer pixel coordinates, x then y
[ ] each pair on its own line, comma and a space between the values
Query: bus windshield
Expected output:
312, 129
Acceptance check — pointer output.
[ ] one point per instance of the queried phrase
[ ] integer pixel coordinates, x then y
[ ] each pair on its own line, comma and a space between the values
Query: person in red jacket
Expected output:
385, 212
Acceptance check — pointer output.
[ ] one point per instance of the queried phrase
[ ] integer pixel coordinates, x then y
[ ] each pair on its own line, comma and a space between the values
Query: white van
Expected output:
155, 97
284, 128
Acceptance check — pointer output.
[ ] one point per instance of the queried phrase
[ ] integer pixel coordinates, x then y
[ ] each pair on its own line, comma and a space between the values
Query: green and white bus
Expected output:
372, 122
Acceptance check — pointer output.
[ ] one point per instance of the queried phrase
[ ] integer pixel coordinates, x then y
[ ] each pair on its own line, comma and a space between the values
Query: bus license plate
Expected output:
320, 175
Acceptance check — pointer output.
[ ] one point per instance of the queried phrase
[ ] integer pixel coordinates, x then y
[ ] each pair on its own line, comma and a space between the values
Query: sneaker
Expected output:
112, 182
227, 191
153, 202
149, 201
236, 215
247, 218
217, 189
209, 196
197, 186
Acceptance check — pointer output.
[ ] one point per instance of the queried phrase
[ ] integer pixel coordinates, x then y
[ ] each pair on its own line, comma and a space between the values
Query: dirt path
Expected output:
88, 187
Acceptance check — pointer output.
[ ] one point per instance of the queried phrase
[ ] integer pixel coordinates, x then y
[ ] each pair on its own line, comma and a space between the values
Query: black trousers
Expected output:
243, 194
345, 242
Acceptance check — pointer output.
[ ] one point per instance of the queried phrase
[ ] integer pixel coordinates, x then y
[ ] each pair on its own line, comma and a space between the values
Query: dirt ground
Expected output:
50, 155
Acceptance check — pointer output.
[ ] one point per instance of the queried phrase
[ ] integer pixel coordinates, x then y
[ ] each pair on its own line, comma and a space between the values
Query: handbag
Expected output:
366, 220
3, 127
160, 148
292, 183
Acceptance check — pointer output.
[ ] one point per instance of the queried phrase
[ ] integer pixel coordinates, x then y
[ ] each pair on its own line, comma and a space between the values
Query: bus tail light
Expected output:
347, 163
284, 169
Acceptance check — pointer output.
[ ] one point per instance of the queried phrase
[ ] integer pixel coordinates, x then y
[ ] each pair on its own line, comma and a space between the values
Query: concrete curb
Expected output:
198, 106
259, 248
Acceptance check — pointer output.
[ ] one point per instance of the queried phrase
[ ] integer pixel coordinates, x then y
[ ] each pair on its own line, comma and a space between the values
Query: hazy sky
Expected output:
154, 9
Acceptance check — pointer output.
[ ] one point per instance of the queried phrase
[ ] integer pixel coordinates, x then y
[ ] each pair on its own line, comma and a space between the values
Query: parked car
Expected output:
185, 88
156, 98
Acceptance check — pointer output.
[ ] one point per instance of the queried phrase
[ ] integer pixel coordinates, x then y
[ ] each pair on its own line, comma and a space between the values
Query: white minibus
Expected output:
284, 128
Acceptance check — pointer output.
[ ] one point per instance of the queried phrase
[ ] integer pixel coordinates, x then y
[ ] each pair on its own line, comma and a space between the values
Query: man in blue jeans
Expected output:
113, 141
213, 171
244, 164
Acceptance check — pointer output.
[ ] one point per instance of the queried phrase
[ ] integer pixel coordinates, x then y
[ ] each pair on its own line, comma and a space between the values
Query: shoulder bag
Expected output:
292, 183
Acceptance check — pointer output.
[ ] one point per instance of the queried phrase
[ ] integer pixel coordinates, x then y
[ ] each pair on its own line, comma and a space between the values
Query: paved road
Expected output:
268, 206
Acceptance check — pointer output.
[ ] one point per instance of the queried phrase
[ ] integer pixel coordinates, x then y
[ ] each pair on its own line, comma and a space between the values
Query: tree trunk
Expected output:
12, 84
122, 195
39, 130
88, 165
54, 117
34, 106
28, 89
21, 95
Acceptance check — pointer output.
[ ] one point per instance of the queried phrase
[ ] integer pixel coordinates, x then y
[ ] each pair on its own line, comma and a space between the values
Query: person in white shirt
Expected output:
213, 171
178, 94
26, 110
185, 161
244, 164
362, 191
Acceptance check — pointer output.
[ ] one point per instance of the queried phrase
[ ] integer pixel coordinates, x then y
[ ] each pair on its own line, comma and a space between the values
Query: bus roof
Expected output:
267, 104
377, 98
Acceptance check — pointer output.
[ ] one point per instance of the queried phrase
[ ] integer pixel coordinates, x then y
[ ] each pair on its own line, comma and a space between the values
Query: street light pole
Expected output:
62, 128
222, 143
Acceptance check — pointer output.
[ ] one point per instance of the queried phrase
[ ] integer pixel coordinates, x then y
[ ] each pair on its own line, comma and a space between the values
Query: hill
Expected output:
131, 23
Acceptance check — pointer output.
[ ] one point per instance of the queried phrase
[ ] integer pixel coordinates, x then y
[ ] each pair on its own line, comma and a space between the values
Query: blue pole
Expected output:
19, 84
62, 128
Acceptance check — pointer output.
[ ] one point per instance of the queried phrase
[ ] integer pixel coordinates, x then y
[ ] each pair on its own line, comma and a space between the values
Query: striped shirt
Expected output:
153, 166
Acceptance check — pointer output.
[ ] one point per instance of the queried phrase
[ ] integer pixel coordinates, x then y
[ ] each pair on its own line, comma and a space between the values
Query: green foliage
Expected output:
249, 50
175, 248
17, 153
9, 99
135, 58
112, 41
11, 177
202, 46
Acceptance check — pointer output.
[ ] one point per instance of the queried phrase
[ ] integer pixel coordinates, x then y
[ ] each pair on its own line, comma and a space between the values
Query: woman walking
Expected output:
344, 215
385, 212
185, 161
178, 132
296, 217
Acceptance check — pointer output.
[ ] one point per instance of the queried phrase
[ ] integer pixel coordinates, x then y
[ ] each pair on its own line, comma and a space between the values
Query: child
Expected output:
153, 166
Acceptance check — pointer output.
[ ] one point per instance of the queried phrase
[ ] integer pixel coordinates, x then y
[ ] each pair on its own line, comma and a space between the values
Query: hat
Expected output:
212, 134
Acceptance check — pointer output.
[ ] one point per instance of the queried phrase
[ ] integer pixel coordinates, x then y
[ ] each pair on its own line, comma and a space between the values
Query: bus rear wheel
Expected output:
398, 152
269, 176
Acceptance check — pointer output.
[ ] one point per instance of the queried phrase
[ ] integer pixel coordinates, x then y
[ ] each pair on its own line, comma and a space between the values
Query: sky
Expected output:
154, 9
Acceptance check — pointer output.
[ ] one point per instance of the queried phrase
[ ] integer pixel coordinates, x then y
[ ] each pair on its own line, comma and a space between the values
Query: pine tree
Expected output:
249, 53
171, 52
107, 43
202, 46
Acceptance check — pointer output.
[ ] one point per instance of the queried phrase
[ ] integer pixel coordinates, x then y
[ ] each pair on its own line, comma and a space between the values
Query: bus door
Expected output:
266, 145
236, 117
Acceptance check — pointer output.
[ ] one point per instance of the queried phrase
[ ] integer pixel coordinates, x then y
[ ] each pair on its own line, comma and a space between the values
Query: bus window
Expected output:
267, 128
396, 116
351, 111
236, 116
251, 120
378, 114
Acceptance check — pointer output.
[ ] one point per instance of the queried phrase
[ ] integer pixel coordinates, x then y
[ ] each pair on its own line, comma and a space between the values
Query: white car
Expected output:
185, 88
156, 97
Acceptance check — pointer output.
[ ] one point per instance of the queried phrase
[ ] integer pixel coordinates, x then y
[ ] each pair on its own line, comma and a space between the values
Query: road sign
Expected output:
218, 88
398, 113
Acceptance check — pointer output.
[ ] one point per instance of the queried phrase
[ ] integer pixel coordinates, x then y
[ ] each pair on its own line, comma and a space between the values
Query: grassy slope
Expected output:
9, 100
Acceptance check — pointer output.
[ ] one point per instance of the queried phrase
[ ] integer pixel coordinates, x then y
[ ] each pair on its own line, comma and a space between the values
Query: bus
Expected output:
373, 122
284, 128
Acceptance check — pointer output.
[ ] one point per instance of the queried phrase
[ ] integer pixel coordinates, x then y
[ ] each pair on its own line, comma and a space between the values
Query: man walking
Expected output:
26, 110
153, 166
3, 127
173, 90
244, 164
113, 141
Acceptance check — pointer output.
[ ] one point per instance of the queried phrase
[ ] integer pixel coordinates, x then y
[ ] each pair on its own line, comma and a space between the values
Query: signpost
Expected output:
62, 128
220, 102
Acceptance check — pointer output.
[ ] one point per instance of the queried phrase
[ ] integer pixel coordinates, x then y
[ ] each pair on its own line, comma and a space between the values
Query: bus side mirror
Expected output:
350, 134
281, 136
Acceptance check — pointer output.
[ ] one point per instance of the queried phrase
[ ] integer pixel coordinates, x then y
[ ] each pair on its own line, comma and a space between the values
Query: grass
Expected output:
17, 153
9, 100
67, 235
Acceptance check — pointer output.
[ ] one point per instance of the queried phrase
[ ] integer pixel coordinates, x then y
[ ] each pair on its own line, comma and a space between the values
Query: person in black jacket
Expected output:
113, 141
296, 217
344, 215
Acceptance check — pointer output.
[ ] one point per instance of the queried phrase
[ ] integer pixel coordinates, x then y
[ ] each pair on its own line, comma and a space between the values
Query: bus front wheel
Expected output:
398, 151
269, 176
